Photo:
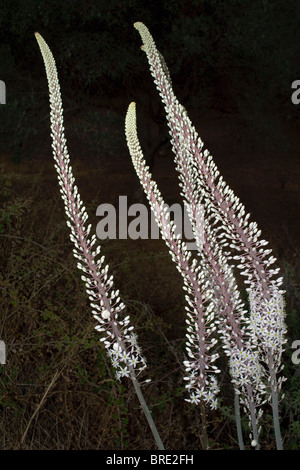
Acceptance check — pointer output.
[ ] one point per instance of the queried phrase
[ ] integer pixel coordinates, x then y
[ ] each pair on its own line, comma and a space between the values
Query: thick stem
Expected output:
253, 418
204, 437
146, 411
274, 397
238, 421
276, 419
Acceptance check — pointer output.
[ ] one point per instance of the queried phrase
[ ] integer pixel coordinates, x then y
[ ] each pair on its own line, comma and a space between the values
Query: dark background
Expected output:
232, 65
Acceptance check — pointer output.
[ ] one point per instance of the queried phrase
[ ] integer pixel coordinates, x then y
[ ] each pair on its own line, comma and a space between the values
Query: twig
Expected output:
54, 378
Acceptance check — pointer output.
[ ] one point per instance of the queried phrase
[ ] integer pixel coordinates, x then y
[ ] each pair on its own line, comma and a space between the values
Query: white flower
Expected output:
133, 361
124, 372
105, 314
104, 300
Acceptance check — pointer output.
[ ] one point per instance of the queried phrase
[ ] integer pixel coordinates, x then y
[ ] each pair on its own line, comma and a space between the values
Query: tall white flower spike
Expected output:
229, 231
201, 381
117, 334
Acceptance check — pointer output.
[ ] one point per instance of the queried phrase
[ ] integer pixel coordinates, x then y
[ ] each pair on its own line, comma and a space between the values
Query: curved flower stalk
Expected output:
200, 178
118, 336
231, 321
234, 329
200, 370
267, 317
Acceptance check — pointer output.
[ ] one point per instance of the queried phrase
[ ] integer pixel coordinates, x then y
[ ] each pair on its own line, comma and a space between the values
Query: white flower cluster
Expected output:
248, 377
200, 385
221, 288
201, 181
207, 392
267, 320
246, 369
200, 306
119, 339
126, 356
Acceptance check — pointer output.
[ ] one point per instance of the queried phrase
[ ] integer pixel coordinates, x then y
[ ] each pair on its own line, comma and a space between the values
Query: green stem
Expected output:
238, 421
253, 417
276, 419
146, 411
204, 426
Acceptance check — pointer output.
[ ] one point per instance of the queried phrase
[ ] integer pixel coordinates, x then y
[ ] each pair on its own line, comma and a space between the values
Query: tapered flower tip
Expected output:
145, 34
138, 24
142, 29
40, 39
131, 111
